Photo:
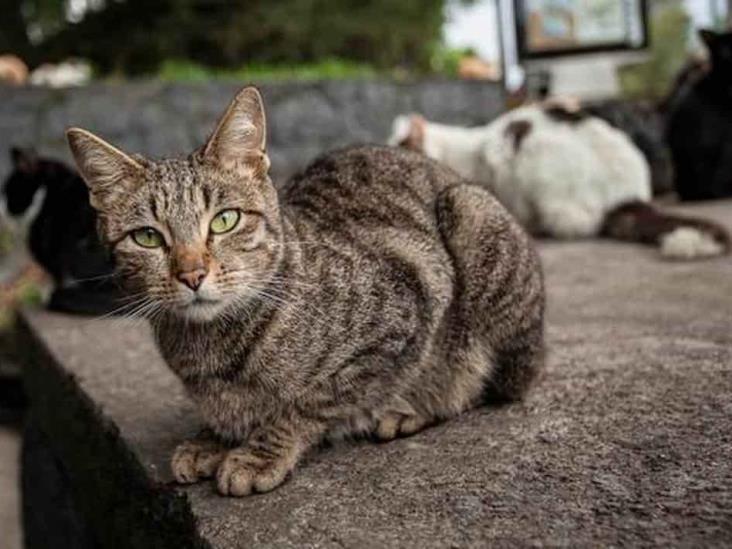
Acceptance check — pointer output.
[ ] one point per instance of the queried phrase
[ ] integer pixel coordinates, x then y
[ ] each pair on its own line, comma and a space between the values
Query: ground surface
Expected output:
625, 440
10, 537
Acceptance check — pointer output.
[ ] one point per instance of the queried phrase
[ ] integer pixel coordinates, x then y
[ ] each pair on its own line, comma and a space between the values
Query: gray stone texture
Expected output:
10, 531
624, 441
304, 119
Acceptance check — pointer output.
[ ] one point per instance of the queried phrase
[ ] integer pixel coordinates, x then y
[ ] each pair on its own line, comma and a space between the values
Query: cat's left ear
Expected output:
240, 139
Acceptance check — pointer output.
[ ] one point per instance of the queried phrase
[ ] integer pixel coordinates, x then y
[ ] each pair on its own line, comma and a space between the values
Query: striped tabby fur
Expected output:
378, 294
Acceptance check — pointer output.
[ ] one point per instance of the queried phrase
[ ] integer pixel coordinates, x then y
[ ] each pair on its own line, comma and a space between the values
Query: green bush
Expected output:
447, 60
138, 36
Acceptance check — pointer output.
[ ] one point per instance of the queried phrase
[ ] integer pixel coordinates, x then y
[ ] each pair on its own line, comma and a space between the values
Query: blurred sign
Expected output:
549, 28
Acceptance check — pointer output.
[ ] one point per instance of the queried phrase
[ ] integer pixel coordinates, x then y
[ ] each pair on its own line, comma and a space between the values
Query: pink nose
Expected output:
193, 279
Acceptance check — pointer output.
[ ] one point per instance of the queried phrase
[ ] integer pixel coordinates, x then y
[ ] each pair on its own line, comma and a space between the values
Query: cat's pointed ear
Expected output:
417, 125
24, 160
409, 132
108, 172
708, 36
240, 138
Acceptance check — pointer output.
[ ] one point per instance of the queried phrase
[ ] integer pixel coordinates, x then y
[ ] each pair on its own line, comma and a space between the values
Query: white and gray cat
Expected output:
565, 174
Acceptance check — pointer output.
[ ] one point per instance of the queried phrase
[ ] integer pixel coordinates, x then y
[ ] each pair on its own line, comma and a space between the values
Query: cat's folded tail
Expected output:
678, 237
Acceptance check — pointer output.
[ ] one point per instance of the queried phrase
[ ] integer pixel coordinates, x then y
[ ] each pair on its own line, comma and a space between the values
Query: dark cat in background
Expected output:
700, 127
62, 237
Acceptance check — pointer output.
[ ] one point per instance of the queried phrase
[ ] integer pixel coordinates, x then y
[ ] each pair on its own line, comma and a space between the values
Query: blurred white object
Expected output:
68, 74
13, 70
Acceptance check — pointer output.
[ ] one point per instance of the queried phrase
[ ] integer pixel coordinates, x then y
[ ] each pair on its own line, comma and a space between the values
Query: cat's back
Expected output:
573, 149
368, 184
558, 127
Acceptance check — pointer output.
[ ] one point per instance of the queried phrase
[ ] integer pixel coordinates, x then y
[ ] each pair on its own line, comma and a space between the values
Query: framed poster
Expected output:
552, 28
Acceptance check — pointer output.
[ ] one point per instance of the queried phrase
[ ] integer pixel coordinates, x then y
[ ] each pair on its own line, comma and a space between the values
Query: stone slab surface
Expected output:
626, 440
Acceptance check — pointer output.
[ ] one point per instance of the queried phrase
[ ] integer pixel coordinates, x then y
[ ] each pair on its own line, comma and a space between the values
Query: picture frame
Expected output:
558, 28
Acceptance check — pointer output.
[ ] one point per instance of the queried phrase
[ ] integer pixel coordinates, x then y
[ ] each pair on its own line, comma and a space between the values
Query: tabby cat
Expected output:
378, 294
700, 127
563, 173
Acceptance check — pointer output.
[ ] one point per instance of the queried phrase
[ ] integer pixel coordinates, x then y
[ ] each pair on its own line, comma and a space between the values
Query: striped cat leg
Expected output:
498, 326
197, 458
393, 424
269, 455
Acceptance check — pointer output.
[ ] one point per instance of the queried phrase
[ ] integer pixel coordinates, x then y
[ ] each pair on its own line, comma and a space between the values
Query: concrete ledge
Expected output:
626, 439
111, 480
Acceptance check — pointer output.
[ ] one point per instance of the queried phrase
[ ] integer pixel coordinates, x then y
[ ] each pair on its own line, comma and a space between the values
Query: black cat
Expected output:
700, 127
62, 238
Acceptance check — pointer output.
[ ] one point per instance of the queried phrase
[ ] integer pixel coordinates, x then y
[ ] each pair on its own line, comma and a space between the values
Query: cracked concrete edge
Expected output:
109, 485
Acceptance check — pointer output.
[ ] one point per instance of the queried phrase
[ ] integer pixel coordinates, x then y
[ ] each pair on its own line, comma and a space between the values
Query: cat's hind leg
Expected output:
496, 328
393, 424
568, 220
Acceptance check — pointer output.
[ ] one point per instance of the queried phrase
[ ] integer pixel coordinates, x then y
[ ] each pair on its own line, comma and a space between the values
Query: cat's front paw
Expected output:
243, 472
196, 459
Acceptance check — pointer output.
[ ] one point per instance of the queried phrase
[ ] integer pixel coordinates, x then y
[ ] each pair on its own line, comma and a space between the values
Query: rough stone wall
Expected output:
304, 119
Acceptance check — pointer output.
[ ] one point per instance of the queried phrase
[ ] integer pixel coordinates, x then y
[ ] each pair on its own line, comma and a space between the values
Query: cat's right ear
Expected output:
709, 37
108, 172
239, 141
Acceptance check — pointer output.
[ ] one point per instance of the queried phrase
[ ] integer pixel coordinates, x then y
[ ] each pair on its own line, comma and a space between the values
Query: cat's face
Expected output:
196, 237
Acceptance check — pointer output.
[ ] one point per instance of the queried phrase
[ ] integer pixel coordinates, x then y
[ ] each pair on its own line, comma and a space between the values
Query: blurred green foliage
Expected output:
335, 69
670, 28
18, 285
130, 37
446, 60
6, 242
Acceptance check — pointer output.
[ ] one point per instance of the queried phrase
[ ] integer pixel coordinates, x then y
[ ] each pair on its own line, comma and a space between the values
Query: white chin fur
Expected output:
689, 243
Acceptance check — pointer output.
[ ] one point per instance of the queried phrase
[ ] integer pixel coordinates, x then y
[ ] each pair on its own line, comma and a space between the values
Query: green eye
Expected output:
225, 221
148, 237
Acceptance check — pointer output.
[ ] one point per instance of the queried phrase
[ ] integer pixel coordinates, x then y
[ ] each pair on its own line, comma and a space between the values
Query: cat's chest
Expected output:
228, 380
199, 353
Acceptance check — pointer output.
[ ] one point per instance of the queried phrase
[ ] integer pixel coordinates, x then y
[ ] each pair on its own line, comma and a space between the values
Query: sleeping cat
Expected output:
380, 293
644, 123
700, 127
53, 202
564, 174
